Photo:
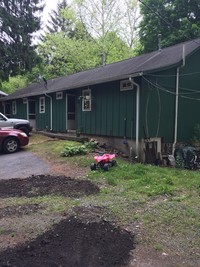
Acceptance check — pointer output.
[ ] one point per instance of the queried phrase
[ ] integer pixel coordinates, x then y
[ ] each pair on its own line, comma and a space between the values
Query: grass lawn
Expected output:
161, 203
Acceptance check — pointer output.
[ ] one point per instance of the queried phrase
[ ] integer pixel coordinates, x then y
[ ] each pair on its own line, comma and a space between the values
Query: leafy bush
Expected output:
92, 144
70, 151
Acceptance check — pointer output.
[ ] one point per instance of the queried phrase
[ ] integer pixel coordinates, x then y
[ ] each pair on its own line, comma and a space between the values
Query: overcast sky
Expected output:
50, 5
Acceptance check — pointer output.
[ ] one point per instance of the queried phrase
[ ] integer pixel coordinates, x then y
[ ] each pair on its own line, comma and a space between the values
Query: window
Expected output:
2, 118
126, 85
14, 108
86, 100
42, 104
24, 100
59, 95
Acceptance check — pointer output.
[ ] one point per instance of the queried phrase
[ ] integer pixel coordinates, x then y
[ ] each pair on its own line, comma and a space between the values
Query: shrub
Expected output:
70, 151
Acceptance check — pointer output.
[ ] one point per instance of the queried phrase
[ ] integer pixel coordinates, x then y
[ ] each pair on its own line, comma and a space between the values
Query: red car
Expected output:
12, 139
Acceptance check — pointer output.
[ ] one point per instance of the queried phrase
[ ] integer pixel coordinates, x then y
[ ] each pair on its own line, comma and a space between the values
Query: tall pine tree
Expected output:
19, 20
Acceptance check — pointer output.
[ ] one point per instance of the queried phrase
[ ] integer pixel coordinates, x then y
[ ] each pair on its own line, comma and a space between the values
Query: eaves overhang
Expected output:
73, 87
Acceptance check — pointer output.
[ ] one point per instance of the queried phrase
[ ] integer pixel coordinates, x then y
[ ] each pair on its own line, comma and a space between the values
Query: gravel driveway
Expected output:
21, 165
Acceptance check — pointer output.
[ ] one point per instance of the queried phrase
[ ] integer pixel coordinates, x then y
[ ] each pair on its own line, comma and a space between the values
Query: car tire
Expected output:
10, 145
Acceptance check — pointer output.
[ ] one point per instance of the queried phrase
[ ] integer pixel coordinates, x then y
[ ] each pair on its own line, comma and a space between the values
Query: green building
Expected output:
149, 102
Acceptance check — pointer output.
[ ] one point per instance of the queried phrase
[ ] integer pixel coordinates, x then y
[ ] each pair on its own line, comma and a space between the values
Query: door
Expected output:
31, 113
71, 107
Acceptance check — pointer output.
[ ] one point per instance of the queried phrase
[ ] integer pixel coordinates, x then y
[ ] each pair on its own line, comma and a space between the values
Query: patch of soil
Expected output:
83, 239
18, 210
74, 243
45, 185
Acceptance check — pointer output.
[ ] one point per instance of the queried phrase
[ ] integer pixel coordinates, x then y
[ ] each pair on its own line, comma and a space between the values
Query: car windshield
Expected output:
2, 117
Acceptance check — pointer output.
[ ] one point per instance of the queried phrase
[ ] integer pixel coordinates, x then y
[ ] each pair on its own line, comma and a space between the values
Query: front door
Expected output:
31, 113
71, 107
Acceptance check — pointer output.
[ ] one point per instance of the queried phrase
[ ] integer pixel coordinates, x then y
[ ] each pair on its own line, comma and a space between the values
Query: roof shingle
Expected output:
150, 62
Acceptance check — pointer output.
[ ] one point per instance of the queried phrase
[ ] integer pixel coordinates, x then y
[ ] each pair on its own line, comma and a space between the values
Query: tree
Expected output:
176, 21
74, 50
14, 84
100, 18
130, 23
63, 55
57, 22
19, 20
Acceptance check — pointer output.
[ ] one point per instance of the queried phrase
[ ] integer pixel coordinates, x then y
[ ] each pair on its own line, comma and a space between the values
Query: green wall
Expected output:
189, 100
157, 105
59, 113
21, 110
43, 119
158, 93
112, 112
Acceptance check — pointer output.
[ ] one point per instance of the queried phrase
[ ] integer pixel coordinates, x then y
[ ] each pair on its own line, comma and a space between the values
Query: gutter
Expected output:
51, 115
74, 86
137, 115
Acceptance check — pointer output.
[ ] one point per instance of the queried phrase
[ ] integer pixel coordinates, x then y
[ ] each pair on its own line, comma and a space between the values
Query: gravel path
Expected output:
21, 165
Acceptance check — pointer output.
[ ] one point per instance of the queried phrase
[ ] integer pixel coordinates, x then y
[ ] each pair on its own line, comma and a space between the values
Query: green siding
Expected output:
43, 119
158, 102
189, 100
112, 113
59, 113
157, 105
21, 110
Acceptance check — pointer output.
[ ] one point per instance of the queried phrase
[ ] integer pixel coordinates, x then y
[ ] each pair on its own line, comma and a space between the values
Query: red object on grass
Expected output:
104, 157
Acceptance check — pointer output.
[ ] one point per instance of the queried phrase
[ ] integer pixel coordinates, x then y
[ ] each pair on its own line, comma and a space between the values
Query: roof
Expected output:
165, 58
2, 93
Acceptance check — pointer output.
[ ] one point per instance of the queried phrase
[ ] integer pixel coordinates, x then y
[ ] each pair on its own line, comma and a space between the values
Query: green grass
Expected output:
164, 201
48, 204
2, 230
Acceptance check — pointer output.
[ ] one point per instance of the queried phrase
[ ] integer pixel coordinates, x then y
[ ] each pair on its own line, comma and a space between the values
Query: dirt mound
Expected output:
45, 185
84, 239
73, 243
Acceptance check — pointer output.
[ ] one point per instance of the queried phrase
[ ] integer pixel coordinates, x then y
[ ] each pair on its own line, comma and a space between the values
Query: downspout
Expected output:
51, 115
177, 101
176, 110
137, 115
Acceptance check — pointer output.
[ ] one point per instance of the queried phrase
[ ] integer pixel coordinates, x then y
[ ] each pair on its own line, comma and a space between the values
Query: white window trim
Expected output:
59, 95
14, 108
126, 85
86, 97
42, 105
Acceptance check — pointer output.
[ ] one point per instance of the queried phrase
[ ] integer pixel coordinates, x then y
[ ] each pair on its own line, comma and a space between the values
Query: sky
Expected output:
50, 5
